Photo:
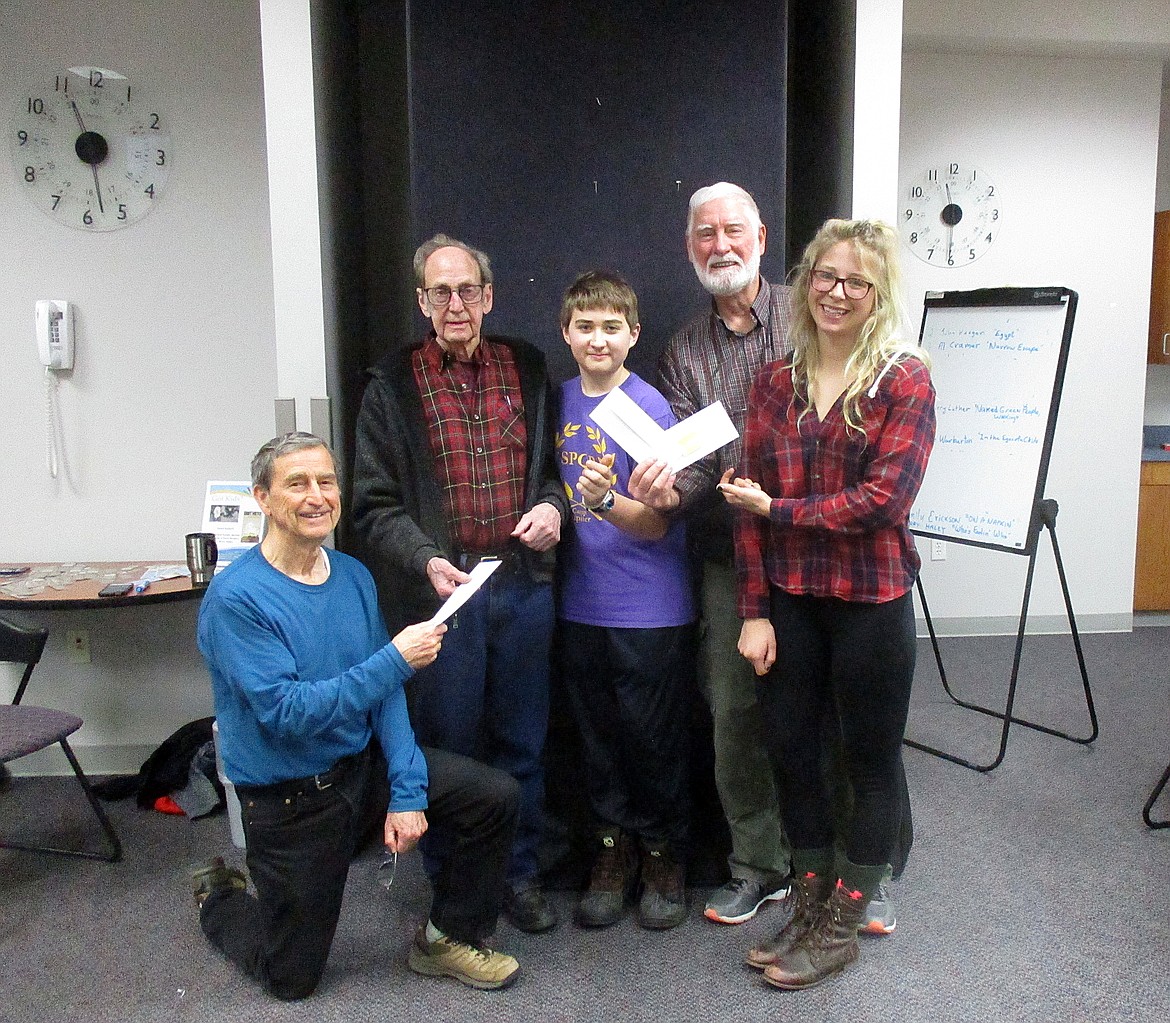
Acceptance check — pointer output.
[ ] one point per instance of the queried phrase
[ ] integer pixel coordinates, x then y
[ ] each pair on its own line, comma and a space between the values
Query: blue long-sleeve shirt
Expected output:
303, 675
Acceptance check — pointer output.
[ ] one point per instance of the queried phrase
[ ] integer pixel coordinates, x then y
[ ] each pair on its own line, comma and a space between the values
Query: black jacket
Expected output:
398, 510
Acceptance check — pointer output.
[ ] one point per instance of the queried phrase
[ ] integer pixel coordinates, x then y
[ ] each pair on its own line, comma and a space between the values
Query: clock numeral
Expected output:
96, 79
970, 253
990, 191
930, 253
954, 168
913, 237
988, 237
62, 84
909, 214
36, 105
950, 260
56, 200
122, 216
87, 218
149, 190
154, 122
30, 175
995, 214
916, 192
127, 94
23, 136
162, 158
932, 174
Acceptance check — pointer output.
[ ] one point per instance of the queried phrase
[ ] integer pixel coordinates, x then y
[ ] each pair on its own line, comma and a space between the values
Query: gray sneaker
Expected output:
740, 899
879, 917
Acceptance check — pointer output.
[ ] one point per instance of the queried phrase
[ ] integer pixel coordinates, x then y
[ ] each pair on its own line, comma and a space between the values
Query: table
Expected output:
66, 585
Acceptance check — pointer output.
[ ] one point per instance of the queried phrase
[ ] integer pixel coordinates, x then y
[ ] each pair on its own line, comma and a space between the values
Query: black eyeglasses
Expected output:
855, 287
440, 295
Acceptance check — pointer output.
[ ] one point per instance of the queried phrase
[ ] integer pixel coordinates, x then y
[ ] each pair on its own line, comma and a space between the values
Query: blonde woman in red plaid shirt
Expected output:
835, 445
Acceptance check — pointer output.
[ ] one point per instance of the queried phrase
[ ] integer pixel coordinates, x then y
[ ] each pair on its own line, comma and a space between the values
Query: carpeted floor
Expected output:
1034, 893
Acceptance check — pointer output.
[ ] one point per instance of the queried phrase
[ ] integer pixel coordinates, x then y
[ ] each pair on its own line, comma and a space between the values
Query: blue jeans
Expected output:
486, 696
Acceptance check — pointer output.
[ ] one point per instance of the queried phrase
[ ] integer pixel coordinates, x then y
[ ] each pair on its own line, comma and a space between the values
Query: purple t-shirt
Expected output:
608, 577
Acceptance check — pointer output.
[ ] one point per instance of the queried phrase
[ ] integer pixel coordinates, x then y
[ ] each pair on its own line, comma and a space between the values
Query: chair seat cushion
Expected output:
24, 730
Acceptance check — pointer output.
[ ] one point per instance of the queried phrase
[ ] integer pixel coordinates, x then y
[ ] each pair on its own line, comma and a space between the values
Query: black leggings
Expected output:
853, 661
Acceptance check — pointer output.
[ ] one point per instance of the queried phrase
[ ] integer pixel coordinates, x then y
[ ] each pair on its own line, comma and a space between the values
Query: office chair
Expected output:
25, 730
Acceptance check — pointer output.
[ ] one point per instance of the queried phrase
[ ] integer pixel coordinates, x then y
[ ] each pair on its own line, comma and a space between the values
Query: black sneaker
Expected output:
215, 875
529, 909
663, 903
612, 881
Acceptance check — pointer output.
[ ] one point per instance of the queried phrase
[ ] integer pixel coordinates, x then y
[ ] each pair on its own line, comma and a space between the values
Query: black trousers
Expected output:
632, 705
300, 846
854, 663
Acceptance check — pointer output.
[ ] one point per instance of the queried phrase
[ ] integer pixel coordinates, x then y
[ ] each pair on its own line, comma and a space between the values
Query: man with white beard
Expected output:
715, 357
712, 358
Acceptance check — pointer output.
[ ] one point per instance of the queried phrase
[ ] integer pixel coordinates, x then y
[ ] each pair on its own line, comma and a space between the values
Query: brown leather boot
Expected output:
612, 882
808, 894
827, 948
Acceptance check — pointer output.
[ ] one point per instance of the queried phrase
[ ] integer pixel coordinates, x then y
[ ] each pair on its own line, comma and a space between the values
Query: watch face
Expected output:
89, 150
951, 215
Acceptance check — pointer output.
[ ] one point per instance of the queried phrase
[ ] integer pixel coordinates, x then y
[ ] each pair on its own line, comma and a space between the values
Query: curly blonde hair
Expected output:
882, 340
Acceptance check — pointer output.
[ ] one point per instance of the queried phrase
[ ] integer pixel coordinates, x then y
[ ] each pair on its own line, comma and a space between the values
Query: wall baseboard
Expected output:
1038, 625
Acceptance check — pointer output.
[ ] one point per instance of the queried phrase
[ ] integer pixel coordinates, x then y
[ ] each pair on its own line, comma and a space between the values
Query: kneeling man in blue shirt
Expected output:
314, 734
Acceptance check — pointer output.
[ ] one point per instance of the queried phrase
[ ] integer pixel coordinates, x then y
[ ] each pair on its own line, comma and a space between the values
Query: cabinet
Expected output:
1151, 587
1159, 350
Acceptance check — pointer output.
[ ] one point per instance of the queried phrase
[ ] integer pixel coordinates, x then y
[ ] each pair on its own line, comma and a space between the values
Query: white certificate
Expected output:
641, 438
465, 591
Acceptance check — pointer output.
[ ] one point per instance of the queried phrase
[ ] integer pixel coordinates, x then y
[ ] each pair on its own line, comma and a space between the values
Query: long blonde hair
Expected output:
882, 339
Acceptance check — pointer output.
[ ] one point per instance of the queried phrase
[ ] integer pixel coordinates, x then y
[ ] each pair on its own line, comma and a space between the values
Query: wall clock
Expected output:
90, 150
951, 214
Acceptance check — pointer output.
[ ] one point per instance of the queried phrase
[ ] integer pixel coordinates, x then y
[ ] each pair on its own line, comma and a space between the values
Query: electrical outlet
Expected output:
938, 550
77, 646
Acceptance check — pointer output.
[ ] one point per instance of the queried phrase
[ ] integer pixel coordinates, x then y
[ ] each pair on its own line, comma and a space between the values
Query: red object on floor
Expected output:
164, 804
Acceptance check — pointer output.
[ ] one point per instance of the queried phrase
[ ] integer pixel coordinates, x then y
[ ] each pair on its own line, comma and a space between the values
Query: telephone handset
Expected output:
55, 333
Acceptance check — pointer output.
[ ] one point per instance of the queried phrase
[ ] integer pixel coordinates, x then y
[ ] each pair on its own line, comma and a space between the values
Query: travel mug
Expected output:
202, 554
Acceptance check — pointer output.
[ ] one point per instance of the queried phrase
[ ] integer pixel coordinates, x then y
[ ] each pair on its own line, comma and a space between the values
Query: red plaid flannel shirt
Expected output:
838, 525
475, 418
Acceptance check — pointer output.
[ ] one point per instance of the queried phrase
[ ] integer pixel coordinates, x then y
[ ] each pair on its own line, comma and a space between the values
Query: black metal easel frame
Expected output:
1150, 822
1046, 513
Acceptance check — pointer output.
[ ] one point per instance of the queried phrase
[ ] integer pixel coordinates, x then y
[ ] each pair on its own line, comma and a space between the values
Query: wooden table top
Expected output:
67, 585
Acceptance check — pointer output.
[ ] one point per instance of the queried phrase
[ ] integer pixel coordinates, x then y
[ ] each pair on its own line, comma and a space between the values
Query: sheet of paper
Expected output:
642, 438
465, 591
232, 514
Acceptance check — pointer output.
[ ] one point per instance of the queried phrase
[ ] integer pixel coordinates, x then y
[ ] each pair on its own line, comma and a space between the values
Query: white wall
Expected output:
1071, 144
1157, 410
175, 372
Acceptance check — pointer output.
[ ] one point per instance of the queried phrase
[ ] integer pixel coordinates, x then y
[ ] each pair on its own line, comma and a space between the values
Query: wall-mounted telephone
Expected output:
55, 333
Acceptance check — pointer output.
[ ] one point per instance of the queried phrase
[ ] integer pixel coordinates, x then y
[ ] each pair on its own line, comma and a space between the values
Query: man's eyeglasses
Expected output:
440, 295
855, 287
387, 869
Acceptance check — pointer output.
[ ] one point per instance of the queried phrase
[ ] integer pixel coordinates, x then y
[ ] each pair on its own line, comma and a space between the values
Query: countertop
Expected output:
1153, 437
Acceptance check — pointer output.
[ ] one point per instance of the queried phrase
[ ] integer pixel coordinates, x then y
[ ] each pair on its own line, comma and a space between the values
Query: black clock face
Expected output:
89, 150
950, 215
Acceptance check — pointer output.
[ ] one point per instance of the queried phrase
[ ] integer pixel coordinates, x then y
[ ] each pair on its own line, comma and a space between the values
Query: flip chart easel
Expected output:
998, 362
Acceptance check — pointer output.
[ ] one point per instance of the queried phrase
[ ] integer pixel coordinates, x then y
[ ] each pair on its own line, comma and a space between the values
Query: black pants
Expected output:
300, 846
853, 662
632, 705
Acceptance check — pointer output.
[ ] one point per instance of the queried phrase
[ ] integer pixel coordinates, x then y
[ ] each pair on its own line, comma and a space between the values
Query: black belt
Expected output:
509, 560
312, 783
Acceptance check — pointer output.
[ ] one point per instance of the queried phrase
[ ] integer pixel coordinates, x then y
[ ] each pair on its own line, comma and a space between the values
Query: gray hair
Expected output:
285, 444
442, 241
723, 190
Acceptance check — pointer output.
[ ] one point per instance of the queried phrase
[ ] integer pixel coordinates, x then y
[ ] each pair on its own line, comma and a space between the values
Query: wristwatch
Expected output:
606, 505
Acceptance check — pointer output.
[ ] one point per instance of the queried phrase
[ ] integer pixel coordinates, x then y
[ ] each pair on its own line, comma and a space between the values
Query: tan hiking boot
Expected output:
469, 964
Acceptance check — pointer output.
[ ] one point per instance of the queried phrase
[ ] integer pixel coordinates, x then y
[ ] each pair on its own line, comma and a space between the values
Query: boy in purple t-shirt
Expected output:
627, 614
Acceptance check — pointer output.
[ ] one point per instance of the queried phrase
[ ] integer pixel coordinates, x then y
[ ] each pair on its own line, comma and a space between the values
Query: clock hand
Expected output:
77, 114
97, 187
91, 148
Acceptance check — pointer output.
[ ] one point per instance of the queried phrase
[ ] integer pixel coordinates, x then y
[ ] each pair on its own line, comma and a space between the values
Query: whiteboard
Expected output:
997, 362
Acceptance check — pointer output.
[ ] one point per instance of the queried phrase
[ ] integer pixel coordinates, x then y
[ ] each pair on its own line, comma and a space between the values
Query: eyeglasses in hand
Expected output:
387, 869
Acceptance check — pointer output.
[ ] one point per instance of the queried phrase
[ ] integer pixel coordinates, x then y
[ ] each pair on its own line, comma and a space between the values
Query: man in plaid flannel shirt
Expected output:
454, 464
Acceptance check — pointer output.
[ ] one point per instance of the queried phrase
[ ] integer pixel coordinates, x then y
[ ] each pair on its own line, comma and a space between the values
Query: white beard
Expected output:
728, 280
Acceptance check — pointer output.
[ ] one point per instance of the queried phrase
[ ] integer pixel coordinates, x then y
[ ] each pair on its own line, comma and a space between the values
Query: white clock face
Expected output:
89, 150
951, 215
